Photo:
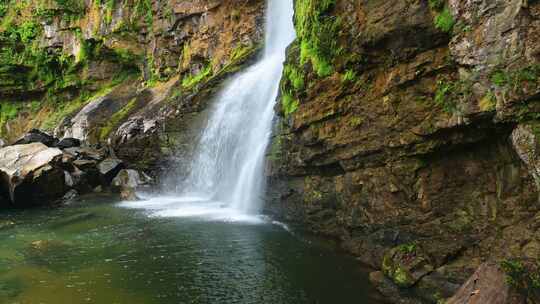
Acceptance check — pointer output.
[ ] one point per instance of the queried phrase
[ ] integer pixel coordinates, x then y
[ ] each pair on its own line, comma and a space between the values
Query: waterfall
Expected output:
226, 179
229, 160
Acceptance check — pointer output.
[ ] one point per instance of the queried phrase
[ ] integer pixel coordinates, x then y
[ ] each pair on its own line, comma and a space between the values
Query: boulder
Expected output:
406, 264
128, 178
68, 142
85, 153
126, 182
31, 174
108, 169
37, 136
2, 143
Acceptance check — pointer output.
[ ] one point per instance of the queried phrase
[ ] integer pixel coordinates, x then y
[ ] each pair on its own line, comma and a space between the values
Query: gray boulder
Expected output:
37, 136
127, 181
108, 169
31, 174
68, 142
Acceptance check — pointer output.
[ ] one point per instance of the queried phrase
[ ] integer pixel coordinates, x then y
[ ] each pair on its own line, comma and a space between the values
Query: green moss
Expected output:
407, 248
516, 79
126, 58
317, 32
63, 109
355, 122
143, 8
191, 80
401, 277
436, 4
109, 7
295, 77
3, 8
8, 111
444, 20
289, 104
396, 272
523, 278
116, 119
67, 10
499, 78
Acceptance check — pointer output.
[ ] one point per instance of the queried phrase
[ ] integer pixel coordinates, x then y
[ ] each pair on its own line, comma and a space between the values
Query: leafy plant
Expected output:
350, 76
524, 278
443, 96
445, 21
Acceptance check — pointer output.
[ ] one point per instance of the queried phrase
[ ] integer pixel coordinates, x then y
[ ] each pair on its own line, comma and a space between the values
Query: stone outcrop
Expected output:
486, 285
413, 123
31, 173
34, 174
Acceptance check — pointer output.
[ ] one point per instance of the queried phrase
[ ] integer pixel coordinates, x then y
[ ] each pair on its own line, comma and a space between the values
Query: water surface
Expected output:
97, 251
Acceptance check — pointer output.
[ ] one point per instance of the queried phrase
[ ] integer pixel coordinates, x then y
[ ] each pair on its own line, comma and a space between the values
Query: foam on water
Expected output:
192, 207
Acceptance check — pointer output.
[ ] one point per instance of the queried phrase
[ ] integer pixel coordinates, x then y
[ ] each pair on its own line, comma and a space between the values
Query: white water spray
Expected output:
228, 167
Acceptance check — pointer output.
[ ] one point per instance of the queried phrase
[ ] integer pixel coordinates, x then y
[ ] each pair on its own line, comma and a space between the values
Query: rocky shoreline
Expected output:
39, 170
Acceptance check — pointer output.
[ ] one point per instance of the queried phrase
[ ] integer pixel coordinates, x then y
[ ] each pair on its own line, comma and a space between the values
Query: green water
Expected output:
96, 252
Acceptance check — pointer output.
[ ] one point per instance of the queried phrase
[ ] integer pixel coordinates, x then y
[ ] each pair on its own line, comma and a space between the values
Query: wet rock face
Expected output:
508, 283
421, 130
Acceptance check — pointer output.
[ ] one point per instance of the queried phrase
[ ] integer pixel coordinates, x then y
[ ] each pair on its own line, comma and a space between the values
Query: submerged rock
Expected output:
37, 136
30, 174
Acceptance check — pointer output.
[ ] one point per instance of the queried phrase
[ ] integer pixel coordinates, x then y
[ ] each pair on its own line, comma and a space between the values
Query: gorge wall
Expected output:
410, 131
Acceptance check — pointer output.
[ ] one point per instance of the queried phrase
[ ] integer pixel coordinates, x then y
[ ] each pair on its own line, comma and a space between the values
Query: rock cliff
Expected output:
409, 130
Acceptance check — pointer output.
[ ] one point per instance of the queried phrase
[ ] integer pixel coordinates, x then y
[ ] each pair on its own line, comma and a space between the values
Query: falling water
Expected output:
229, 161
227, 169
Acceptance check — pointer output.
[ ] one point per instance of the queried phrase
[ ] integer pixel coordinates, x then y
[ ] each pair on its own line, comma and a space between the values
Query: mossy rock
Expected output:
406, 264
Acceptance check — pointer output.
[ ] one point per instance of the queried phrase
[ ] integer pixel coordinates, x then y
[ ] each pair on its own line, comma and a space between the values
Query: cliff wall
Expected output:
409, 131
